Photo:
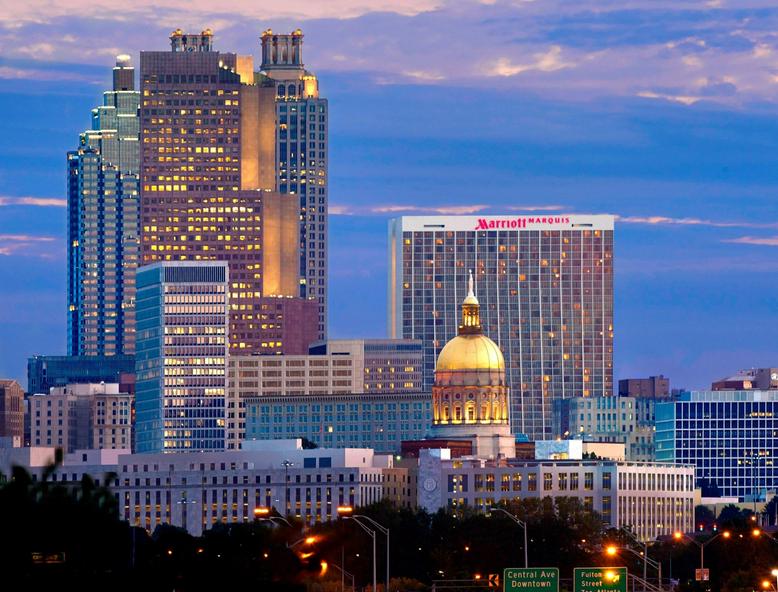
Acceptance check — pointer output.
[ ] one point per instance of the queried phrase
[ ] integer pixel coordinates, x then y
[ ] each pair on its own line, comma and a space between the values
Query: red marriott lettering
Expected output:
495, 224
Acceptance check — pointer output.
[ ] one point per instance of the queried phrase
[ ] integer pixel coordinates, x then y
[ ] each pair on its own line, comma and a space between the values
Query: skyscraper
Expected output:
301, 148
103, 224
209, 187
181, 360
545, 284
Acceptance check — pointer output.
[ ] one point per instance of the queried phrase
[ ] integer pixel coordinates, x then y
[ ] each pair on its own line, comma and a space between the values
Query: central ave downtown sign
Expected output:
546, 579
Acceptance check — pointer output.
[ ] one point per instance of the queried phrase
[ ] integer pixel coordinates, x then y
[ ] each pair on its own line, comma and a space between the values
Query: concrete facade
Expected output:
653, 499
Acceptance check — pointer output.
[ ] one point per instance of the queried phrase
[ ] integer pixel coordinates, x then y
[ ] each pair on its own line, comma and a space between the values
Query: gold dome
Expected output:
470, 352
471, 349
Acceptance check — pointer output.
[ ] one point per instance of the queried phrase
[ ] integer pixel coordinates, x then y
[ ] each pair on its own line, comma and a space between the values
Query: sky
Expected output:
662, 113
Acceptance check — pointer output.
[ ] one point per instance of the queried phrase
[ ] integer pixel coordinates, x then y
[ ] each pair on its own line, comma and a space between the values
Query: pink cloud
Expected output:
33, 201
766, 241
666, 220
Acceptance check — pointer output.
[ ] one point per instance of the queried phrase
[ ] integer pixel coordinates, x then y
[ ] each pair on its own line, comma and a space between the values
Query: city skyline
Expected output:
697, 269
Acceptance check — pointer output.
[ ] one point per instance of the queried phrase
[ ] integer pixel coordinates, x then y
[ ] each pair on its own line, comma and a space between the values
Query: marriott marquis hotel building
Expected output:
545, 284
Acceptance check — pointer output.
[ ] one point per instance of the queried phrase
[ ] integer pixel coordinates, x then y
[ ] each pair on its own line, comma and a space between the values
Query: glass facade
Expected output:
103, 225
181, 356
45, 372
545, 286
380, 422
730, 436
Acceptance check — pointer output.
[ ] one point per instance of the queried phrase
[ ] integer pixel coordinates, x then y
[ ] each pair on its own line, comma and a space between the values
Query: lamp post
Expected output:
183, 503
344, 574
345, 513
263, 515
726, 534
286, 464
613, 550
632, 535
521, 523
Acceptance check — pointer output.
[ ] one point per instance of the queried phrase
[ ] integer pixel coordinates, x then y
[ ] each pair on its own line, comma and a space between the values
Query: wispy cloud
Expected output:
346, 210
548, 208
668, 221
548, 61
683, 99
30, 245
27, 238
766, 241
33, 201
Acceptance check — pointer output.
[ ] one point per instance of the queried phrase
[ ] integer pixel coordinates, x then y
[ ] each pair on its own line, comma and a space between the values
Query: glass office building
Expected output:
45, 372
545, 284
351, 420
181, 360
103, 224
730, 436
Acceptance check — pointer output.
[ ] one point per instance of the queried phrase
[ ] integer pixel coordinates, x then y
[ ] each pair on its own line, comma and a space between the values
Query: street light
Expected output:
309, 540
183, 502
678, 535
612, 551
347, 512
263, 515
286, 464
344, 574
646, 560
521, 523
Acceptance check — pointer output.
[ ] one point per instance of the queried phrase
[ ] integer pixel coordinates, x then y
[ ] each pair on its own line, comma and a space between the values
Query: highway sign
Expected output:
531, 579
600, 579
493, 580
702, 575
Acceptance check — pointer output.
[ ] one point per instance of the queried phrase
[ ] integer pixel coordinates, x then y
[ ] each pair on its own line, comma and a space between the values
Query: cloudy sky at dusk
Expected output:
664, 113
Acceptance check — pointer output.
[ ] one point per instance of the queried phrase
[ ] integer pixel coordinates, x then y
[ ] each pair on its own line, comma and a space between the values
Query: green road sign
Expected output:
600, 579
531, 579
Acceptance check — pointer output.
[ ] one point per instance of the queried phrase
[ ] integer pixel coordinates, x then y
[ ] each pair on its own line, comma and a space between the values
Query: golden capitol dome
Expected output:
470, 352
471, 349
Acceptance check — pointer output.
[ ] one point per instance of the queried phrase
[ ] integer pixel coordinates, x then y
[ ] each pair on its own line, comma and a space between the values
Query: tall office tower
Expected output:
11, 411
208, 181
301, 148
545, 284
103, 224
181, 358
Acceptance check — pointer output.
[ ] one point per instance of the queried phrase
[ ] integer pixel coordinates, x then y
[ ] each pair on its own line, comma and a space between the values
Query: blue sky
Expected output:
662, 113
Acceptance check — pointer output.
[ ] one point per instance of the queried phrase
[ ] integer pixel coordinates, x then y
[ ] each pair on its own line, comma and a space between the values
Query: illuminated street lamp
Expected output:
263, 515
520, 523
678, 535
613, 550
347, 513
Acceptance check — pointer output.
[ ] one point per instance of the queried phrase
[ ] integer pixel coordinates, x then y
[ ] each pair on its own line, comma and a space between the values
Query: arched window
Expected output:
281, 90
484, 411
292, 90
457, 412
470, 412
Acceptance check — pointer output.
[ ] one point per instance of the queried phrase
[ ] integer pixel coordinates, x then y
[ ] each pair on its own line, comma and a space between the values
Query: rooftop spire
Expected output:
471, 317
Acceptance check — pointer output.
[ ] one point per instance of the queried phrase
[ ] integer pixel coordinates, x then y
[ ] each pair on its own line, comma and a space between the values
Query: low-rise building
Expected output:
82, 416
653, 499
655, 387
762, 379
622, 419
198, 490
